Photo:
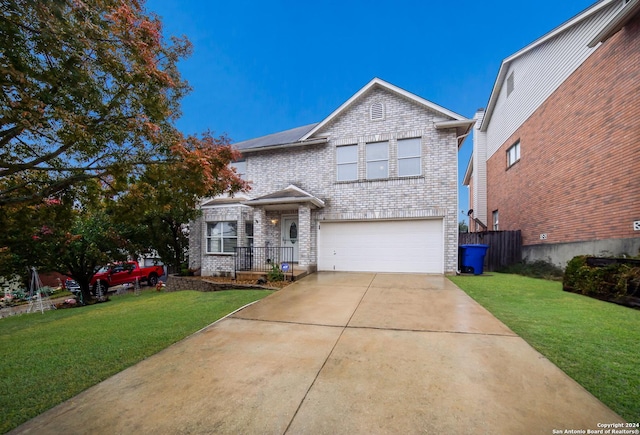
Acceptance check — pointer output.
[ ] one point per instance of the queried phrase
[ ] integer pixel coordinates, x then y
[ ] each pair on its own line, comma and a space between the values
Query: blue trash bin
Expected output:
473, 257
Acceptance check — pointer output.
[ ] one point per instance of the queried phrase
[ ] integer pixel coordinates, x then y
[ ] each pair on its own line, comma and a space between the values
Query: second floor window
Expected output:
241, 168
409, 151
222, 237
513, 154
347, 162
377, 160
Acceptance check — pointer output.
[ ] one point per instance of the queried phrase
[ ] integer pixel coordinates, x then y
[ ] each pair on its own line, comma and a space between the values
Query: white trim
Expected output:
468, 123
388, 86
316, 141
619, 21
504, 67
296, 249
467, 174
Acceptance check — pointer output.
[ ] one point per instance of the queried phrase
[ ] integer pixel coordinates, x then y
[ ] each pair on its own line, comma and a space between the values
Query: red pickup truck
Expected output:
123, 273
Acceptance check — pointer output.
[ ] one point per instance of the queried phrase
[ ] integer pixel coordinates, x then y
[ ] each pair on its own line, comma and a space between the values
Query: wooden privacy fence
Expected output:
505, 247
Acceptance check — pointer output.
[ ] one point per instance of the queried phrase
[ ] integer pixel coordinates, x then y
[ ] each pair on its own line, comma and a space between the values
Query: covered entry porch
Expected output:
283, 236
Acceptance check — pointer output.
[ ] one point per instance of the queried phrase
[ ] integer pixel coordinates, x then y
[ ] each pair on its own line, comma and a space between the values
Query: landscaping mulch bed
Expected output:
247, 282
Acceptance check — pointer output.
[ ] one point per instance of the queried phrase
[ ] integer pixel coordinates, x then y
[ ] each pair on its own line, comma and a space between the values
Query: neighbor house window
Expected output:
510, 84
222, 237
241, 168
347, 162
377, 160
409, 151
513, 154
496, 223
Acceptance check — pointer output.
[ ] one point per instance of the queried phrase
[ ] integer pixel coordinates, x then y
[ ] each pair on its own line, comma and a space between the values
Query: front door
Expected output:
290, 235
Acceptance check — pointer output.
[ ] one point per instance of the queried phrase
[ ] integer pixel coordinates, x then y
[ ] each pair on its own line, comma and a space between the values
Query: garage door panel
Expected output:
382, 246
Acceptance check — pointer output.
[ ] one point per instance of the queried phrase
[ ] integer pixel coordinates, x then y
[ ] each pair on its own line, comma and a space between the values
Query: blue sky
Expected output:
262, 67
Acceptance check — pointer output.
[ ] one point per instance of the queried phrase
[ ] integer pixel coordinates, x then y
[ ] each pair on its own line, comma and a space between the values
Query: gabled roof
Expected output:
287, 196
301, 136
630, 10
379, 83
504, 67
224, 200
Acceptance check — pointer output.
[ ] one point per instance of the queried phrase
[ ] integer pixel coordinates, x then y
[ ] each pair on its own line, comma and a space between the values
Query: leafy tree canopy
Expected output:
89, 90
91, 165
154, 210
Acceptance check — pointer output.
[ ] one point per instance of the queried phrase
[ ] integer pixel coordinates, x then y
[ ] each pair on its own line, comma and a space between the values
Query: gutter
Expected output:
318, 141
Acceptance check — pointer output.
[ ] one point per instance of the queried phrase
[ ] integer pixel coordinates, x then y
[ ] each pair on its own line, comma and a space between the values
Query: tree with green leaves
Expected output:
89, 91
89, 153
157, 206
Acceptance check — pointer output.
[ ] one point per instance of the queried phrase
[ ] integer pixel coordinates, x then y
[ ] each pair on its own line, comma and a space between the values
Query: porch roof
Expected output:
285, 198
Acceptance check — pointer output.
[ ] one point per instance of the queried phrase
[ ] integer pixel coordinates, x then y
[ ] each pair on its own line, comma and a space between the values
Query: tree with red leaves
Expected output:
91, 164
89, 90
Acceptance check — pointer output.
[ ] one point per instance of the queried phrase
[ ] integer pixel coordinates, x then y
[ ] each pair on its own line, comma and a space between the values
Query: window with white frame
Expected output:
241, 168
510, 84
222, 237
347, 162
377, 160
496, 223
513, 154
409, 161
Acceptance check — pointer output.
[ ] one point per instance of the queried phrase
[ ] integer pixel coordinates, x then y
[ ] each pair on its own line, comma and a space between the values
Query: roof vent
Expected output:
377, 111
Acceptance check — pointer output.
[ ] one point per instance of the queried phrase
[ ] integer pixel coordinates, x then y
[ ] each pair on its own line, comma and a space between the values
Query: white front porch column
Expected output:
304, 235
259, 229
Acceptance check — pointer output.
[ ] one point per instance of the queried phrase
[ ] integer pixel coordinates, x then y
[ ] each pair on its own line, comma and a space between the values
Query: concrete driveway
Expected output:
350, 353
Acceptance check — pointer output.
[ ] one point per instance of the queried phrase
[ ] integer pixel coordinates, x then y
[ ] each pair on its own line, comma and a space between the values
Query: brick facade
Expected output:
577, 178
313, 169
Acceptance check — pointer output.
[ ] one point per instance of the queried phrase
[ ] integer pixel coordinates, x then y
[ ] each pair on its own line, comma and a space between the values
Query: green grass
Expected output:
48, 358
596, 343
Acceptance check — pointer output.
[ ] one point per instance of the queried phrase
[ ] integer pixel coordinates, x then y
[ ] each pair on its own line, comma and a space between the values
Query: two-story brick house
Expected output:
372, 187
556, 153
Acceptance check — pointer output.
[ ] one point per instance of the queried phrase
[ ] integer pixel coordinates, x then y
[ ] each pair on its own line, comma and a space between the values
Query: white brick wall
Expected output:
312, 168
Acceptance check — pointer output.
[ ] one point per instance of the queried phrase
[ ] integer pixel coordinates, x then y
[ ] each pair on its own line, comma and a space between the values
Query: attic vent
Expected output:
510, 84
377, 111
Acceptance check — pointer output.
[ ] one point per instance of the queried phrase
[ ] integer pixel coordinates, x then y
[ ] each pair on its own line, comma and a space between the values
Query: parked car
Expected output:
72, 286
125, 273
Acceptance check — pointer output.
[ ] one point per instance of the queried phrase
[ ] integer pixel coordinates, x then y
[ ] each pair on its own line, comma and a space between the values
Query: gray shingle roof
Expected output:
280, 138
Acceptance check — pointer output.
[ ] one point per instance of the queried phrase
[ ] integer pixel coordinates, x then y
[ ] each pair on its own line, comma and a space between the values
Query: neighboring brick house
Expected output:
372, 187
557, 152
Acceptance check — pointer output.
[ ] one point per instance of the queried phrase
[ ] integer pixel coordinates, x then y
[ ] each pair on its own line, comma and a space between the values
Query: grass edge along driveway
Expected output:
596, 343
47, 358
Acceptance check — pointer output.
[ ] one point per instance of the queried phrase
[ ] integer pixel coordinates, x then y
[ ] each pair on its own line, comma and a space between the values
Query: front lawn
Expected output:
596, 343
48, 358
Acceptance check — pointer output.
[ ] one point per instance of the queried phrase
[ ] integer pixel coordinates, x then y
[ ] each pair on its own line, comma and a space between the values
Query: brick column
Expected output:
196, 240
304, 235
259, 227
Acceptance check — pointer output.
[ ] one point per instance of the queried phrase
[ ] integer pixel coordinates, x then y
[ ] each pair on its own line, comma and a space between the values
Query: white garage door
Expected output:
381, 246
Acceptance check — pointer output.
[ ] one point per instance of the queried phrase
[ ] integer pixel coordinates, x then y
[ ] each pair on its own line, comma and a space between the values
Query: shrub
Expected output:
536, 269
275, 274
608, 281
